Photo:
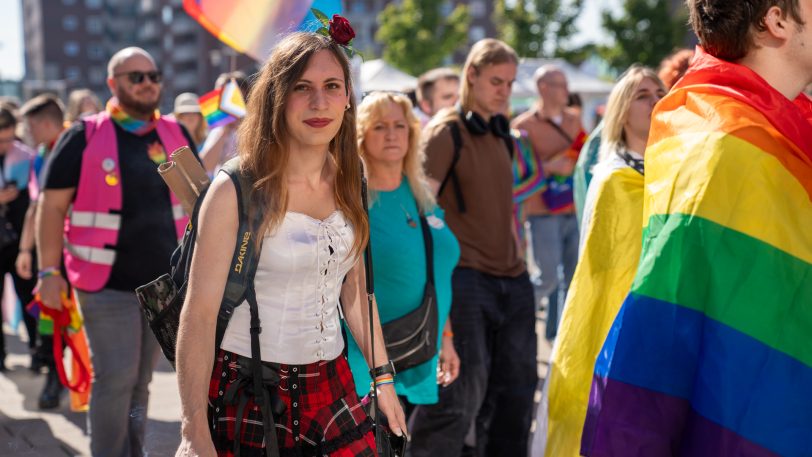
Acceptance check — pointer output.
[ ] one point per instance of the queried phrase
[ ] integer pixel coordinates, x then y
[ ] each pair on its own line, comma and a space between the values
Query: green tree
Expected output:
648, 31
538, 28
418, 37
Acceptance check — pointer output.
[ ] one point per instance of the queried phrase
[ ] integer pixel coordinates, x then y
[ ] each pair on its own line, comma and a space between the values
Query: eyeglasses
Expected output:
137, 77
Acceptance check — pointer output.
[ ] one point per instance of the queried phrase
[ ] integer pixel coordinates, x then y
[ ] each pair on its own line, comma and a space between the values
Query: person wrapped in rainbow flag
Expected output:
711, 352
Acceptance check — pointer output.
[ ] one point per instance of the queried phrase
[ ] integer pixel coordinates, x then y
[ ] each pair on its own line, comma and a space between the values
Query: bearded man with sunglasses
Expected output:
121, 229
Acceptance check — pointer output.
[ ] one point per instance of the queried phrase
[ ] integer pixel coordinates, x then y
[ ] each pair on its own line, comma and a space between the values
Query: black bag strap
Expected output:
373, 395
246, 250
428, 247
456, 137
554, 125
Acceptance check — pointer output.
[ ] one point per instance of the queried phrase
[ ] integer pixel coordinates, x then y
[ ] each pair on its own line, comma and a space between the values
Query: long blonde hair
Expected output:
488, 51
613, 136
262, 135
372, 109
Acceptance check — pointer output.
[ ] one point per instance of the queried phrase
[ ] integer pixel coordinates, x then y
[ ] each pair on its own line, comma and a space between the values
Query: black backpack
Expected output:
162, 299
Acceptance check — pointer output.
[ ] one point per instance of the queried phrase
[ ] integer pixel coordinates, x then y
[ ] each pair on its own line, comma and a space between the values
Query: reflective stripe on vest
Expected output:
95, 220
99, 256
178, 212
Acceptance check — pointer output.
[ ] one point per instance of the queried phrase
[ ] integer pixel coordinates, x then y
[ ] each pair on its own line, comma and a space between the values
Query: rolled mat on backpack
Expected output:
185, 177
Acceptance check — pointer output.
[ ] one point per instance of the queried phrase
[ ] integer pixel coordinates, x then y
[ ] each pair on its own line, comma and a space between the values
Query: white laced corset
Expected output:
298, 282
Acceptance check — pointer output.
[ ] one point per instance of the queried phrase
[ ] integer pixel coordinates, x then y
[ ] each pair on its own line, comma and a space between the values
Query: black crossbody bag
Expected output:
412, 339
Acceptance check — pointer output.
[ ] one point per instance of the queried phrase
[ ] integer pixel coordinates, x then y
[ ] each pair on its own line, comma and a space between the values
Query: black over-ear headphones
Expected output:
476, 124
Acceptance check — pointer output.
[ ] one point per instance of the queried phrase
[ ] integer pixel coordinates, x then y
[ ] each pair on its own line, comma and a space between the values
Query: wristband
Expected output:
382, 382
448, 333
377, 372
49, 271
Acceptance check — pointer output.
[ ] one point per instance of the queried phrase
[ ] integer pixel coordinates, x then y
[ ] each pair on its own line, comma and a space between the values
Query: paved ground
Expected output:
26, 431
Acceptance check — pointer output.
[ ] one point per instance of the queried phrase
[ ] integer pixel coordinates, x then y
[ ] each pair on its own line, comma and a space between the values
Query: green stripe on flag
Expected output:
736, 279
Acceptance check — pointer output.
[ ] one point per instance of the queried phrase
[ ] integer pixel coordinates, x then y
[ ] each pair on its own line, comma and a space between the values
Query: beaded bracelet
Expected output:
448, 333
49, 271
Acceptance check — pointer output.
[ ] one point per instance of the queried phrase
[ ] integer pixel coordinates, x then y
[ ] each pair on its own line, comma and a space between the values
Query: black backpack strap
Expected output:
456, 137
246, 250
240, 287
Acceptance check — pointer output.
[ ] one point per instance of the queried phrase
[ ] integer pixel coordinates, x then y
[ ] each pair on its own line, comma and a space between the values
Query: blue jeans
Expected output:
555, 251
123, 352
493, 319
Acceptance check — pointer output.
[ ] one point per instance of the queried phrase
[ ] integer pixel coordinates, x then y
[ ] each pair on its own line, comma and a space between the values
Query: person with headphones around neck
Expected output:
468, 161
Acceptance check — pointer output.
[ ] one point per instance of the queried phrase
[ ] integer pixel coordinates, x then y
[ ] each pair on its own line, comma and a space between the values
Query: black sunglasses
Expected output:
137, 77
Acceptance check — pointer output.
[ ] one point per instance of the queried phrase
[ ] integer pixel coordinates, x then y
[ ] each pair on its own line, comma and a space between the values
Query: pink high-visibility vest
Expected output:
92, 225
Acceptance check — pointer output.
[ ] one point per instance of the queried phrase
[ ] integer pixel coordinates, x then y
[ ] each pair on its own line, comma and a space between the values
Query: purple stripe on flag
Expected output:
639, 422
707, 438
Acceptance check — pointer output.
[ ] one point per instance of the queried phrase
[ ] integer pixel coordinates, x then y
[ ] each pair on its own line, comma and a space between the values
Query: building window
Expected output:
71, 49
166, 15
93, 4
168, 42
477, 8
476, 33
97, 75
70, 23
94, 25
73, 73
95, 51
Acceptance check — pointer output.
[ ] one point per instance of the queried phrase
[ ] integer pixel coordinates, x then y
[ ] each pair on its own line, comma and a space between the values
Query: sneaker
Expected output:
51, 392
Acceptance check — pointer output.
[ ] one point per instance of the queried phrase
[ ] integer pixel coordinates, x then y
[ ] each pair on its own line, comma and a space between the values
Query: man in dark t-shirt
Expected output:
122, 227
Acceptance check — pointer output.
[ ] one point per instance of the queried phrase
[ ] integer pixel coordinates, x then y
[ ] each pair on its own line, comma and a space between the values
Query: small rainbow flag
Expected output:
210, 107
711, 351
223, 106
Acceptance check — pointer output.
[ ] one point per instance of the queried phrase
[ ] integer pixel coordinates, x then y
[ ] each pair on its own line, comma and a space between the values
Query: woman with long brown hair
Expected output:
298, 143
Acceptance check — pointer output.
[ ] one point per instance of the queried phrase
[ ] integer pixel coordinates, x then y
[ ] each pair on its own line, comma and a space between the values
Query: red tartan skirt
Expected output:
322, 415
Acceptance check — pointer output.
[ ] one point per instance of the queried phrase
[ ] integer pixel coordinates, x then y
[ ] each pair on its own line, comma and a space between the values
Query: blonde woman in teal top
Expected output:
388, 134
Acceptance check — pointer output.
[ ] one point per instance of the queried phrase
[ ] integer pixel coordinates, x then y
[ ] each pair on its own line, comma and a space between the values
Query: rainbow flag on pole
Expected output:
222, 106
711, 352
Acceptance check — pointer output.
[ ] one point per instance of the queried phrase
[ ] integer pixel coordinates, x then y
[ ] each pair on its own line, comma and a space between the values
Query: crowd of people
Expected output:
641, 228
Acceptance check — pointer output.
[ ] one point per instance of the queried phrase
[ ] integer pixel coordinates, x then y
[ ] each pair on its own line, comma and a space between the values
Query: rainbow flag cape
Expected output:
711, 352
610, 250
254, 27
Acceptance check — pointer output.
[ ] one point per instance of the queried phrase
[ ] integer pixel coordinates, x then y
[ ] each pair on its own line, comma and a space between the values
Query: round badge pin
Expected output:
108, 165
111, 179
435, 222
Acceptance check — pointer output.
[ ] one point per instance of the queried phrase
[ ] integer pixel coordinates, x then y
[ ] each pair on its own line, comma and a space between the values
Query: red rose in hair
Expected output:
341, 31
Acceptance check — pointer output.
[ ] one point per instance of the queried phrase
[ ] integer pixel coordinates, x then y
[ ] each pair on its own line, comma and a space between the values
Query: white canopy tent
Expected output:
379, 75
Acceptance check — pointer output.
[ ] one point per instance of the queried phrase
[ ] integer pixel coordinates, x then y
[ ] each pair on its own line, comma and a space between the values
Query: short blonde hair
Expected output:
372, 109
617, 108
484, 52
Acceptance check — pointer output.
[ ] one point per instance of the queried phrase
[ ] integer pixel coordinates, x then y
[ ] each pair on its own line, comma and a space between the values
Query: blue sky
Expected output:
11, 37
